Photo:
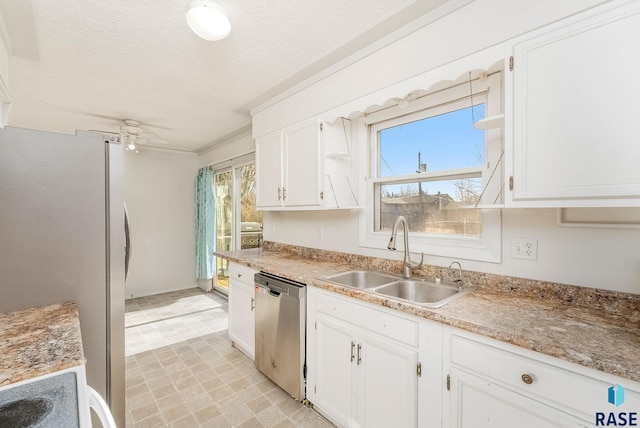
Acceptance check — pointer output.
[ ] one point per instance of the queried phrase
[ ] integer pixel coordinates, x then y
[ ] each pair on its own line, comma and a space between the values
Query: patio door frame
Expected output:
233, 166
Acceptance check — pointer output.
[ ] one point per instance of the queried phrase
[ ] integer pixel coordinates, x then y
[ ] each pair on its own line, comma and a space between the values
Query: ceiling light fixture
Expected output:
208, 20
131, 142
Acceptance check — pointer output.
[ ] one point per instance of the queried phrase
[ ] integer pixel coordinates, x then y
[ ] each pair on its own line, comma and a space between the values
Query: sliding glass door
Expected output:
238, 224
224, 204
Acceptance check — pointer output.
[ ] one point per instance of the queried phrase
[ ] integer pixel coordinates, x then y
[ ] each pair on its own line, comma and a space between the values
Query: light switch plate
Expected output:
524, 248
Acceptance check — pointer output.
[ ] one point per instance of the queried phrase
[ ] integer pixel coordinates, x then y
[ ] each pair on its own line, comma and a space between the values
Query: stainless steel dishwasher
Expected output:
281, 312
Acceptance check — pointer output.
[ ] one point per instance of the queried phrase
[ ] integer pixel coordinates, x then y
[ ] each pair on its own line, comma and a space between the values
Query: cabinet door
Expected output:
302, 172
241, 308
571, 106
478, 403
387, 383
269, 165
241, 317
332, 377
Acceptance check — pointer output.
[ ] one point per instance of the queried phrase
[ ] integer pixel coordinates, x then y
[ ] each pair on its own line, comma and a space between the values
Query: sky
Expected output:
447, 141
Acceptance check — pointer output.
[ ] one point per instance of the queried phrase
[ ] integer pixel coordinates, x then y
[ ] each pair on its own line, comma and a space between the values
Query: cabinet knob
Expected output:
239, 275
527, 379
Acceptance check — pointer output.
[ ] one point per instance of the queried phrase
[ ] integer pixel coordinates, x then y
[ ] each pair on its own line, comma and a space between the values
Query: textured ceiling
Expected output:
90, 64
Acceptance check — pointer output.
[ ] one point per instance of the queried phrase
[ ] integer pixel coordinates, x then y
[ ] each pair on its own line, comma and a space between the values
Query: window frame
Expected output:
486, 248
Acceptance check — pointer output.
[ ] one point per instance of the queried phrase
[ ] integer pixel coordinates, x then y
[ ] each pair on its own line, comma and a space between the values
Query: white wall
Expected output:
590, 257
232, 148
593, 257
159, 193
471, 29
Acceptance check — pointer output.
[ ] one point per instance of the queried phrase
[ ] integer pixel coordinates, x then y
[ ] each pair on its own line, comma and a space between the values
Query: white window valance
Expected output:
487, 61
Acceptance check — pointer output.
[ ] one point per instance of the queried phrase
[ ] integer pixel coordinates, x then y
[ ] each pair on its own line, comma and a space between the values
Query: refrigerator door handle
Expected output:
127, 242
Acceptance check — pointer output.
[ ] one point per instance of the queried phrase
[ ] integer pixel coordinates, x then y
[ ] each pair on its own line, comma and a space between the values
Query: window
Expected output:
429, 164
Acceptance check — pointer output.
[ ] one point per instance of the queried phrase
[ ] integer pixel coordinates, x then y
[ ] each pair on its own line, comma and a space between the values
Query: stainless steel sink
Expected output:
424, 293
362, 279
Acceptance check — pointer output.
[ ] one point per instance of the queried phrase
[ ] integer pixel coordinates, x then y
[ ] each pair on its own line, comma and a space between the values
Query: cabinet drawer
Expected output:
394, 327
241, 273
553, 382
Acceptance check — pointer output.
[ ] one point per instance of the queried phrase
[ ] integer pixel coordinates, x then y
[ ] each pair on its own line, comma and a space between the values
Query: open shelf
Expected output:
339, 155
481, 206
490, 122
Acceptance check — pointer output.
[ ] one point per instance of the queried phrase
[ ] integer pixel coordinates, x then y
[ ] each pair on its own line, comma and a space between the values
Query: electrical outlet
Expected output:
320, 233
524, 248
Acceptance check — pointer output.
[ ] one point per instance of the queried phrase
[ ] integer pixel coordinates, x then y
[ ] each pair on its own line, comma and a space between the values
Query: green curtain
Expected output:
205, 224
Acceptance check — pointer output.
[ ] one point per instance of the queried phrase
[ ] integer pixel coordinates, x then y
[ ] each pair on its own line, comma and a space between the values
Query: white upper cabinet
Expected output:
572, 97
306, 166
269, 171
288, 168
301, 174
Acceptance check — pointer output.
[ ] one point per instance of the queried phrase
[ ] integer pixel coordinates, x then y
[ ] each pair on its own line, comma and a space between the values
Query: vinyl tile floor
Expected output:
182, 370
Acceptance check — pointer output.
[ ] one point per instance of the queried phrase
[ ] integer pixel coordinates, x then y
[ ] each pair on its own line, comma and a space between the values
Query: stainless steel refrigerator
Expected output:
62, 238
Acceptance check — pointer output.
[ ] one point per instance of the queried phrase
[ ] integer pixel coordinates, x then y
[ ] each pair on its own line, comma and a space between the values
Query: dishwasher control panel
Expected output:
268, 284
278, 288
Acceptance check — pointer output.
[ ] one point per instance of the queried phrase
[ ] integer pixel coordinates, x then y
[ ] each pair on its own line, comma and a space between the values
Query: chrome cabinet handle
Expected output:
284, 193
527, 379
279, 193
353, 345
359, 348
253, 304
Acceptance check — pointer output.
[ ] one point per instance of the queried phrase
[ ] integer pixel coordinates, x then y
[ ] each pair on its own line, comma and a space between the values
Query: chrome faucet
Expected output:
407, 264
459, 280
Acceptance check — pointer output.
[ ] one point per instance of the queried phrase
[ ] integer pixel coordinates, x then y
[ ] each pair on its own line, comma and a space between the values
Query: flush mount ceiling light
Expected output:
208, 20
131, 143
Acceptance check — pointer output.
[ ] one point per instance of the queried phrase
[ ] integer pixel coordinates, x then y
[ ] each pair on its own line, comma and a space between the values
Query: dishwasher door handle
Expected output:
274, 293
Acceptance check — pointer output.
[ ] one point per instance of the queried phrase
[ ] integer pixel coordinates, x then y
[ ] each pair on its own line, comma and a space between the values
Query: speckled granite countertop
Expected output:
39, 341
598, 330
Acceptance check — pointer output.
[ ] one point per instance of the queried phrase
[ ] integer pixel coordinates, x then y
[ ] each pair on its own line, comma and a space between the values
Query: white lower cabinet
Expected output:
330, 380
241, 308
365, 367
480, 403
369, 366
387, 383
495, 384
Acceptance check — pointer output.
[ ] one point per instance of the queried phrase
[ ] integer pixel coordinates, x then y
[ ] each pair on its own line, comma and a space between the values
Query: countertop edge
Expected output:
38, 341
446, 315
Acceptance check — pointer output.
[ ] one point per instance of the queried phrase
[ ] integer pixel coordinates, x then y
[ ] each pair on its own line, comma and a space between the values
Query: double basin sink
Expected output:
419, 292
